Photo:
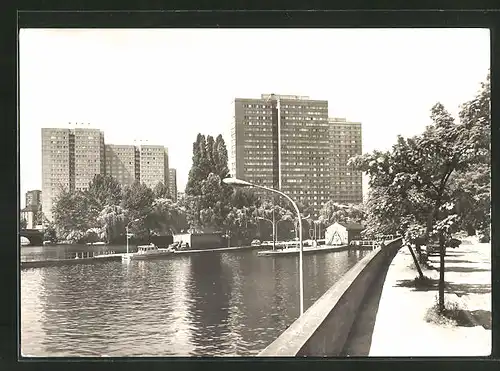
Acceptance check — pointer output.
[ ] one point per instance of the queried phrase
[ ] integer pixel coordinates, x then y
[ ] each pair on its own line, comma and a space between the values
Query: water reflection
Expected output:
207, 304
210, 292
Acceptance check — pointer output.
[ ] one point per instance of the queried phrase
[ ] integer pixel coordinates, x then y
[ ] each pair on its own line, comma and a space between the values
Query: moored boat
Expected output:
144, 252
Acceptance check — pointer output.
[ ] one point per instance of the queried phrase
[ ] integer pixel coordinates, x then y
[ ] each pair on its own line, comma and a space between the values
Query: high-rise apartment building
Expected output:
282, 141
172, 183
153, 165
88, 151
123, 163
346, 183
70, 159
55, 165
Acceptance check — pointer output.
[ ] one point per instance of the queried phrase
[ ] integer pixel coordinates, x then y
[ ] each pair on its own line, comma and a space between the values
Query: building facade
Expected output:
88, 150
56, 170
153, 165
70, 160
343, 233
282, 142
346, 142
123, 163
172, 184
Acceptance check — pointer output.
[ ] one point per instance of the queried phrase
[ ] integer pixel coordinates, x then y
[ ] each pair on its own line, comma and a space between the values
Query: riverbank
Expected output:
109, 256
305, 250
401, 324
219, 249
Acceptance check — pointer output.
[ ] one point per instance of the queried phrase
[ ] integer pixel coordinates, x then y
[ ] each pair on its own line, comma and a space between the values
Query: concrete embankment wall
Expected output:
323, 330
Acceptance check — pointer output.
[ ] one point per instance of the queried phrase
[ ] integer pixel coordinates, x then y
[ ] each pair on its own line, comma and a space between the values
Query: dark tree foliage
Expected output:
71, 215
414, 181
161, 191
208, 199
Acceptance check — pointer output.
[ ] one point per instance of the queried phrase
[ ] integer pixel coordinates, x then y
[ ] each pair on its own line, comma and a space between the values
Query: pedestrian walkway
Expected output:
400, 326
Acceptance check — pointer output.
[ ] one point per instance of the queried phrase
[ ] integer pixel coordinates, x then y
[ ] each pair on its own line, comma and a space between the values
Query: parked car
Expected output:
256, 242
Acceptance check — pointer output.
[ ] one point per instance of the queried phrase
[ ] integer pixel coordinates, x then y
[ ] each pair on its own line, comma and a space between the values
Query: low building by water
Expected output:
343, 233
200, 241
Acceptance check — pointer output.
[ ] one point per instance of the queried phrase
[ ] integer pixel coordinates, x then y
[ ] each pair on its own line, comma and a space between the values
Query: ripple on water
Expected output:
213, 305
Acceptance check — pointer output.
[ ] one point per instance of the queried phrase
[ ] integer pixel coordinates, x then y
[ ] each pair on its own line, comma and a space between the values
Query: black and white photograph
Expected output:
254, 192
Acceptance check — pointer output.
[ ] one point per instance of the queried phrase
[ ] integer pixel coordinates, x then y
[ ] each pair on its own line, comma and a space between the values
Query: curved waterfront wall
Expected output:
323, 330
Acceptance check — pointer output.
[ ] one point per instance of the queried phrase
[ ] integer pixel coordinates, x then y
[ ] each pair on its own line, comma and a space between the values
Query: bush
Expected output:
452, 315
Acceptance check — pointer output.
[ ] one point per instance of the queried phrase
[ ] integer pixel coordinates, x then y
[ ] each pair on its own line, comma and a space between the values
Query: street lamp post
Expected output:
126, 229
242, 183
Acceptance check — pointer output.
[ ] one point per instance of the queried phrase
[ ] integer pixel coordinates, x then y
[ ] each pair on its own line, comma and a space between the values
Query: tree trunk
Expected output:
442, 253
418, 249
417, 264
428, 230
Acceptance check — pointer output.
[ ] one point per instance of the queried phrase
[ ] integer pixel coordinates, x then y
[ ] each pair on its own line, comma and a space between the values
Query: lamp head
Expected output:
237, 182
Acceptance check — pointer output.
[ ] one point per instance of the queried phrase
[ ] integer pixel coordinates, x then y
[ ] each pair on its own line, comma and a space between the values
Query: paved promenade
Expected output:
400, 326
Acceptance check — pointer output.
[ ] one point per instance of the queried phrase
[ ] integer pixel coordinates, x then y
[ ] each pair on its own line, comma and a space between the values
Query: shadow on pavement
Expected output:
468, 318
427, 285
451, 288
468, 288
465, 269
483, 317
462, 261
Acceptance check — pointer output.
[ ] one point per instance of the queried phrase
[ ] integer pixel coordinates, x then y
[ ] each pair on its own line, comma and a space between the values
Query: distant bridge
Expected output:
35, 236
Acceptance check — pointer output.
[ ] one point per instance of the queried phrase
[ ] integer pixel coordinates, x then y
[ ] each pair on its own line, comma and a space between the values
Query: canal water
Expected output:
209, 304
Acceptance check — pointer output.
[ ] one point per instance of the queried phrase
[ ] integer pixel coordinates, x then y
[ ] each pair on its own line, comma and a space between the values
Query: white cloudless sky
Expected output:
167, 85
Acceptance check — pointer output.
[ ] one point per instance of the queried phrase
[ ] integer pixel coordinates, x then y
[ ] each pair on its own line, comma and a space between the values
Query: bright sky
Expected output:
165, 86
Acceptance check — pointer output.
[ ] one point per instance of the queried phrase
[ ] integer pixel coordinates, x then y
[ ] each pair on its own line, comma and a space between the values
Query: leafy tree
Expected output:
161, 218
472, 194
49, 233
332, 212
266, 210
103, 190
193, 207
215, 202
208, 200
418, 170
472, 187
236, 223
137, 201
220, 158
39, 218
161, 191
242, 197
111, 220
209, 156
200, 168
71, 215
